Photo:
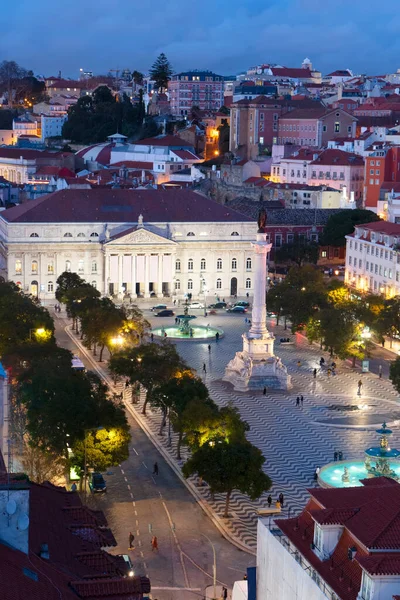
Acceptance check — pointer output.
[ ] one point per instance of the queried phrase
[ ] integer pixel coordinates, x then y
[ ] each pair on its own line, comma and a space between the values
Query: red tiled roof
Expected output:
116, 206
381, 227
27, 154
304, 113
164, 140
334, 157
186, 155
134, 164
288, 72
385, 564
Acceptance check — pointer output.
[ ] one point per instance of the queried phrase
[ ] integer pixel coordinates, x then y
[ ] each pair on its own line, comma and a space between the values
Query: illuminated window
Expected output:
18, 267
34, 267
50, 267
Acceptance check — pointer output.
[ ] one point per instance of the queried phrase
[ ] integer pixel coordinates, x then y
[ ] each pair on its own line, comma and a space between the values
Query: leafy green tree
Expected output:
342, 223
277, 300
394, 374
101, 324
11, 76
343, 333
65, 282
137, 77
161, 72
299, 252
152, 365
198, 421
305, 293
387, 319
104, 448
42, 465
227, 467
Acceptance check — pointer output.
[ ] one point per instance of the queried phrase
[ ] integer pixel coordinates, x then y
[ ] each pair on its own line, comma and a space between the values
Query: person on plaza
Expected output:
154, 543
265, 391
247, 294
333, 365
299, 363
359, 386
217, 336
245, 319
322, 361
329, 372
317, 470
298, 401
315, 373
204, 369
73, 487
152, 336
301, 400
131, 538
335, 456
155, 469
278, 505
209, 347
380, 371
340, 455
269, 501
280, 498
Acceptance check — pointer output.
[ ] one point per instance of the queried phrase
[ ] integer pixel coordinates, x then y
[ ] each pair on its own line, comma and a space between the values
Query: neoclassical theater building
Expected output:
139, 242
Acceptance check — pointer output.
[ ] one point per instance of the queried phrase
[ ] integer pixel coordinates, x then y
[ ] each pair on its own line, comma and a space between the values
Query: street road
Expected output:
161, 505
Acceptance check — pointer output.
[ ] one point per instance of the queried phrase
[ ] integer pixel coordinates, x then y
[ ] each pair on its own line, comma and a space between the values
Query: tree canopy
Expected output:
299, 251
161, 72
342, 223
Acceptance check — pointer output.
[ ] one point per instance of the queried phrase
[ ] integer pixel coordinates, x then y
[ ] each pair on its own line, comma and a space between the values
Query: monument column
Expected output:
146, 275
160, 276
259, 311
133, 276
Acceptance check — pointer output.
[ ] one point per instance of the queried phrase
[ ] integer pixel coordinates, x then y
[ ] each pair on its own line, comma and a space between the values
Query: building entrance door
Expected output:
233, 286
34, 288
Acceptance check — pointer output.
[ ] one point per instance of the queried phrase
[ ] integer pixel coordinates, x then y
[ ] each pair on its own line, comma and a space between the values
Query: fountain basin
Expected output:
330, 476
199, 333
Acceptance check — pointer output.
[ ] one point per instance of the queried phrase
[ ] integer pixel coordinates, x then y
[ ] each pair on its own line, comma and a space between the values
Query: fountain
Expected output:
184, 330
379, 461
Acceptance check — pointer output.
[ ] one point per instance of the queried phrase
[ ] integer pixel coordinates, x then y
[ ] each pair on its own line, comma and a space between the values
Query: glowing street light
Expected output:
117, 341
39, 332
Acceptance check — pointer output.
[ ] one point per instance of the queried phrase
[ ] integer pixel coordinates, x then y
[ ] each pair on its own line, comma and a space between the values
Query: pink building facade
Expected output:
195, 88
315, 126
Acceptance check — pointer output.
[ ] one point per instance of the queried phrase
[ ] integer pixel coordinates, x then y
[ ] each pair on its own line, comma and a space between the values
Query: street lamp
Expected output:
117, 341
40, 331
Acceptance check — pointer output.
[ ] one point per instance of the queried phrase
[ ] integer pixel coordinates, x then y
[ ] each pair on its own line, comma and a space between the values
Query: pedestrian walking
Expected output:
335, 456
155, 469
154, 543
131, 538
329, 372
204, 369
217, 336
299, 363
209, 347
315, 373
359, 386
245, 319
322, 361
301, 400
152, 336
380, 371
298, 401
269, 501
73, 487
280, 498
224, 593
340, 455
265, 391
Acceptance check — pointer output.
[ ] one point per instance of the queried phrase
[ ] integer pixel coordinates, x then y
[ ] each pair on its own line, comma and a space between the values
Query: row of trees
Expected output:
216, 437
55, 410
20, 85
331, 314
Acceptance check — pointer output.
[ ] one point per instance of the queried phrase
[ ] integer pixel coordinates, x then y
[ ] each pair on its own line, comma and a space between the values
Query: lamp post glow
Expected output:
40, 331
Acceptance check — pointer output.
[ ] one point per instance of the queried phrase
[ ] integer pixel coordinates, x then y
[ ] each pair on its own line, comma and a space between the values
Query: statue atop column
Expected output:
262, 220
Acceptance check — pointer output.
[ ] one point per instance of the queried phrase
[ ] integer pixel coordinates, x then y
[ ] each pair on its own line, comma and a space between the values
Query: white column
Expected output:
160, 276
259, 312
146, 275
120, 259
106, 272
133, 278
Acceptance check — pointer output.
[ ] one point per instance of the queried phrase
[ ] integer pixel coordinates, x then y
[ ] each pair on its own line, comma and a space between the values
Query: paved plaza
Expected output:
294, 440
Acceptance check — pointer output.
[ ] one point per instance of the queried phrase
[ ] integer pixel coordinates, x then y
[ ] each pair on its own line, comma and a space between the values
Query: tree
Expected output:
65, 282
11, 75
305, 293
42, 465
387, 320
101, 324
161, 72
223, 139
137, 77
299, 251
342, 223
152, 365
277, 300
227, 467
394, 374
104, 448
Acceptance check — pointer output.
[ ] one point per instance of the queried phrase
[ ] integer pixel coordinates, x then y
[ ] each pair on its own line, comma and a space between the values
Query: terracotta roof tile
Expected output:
336, 157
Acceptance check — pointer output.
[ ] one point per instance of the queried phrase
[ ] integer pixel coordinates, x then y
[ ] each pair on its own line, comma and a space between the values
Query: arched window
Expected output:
68, 266
219, 264
234, 264
94, 235
248, 283
50, 287
190, 264
234, 233
81, 266
81, 235
190, 234
177, 265
94, 284
67, 234
50, 267
248, 264
190, 284
18, 267
219, 284
94, 266
177, 284
34, 235
203, 264
34, 267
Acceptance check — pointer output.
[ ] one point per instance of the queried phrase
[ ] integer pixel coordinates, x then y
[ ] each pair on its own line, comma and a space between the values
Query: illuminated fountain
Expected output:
185, 330
379, 461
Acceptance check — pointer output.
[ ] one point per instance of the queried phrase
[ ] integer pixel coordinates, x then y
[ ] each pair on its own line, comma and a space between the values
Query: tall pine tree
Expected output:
161, 72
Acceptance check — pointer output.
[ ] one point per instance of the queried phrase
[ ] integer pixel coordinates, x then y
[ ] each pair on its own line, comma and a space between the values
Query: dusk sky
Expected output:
226, 36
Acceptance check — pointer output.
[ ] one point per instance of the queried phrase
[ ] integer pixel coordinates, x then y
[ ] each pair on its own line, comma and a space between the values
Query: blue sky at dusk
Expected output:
224, 35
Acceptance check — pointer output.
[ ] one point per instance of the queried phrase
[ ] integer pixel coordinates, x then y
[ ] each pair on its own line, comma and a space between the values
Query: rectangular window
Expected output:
371, 182
350, 260
50, 268
323, 254
337, 127
367, 266
278, 240
376, 269
377, 182
366, 587
355, 245
359, 263
318, 536
390, 274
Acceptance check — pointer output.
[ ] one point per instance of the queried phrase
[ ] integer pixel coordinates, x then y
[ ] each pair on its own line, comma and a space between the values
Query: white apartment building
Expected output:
373, 258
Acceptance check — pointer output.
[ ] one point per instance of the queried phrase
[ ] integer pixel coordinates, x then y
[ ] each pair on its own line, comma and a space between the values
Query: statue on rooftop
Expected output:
262, 220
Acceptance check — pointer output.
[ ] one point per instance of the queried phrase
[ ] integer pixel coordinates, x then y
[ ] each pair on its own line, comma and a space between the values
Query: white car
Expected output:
196, 305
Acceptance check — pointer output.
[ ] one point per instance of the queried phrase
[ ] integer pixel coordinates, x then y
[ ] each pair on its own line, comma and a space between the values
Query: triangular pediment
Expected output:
140, 236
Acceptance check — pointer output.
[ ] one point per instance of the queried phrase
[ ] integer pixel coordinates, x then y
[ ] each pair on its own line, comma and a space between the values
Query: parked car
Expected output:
129, 572
165, 313
237, 309
242, 303
97, 483
218, 305
196, 305
158, 307
270, 314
